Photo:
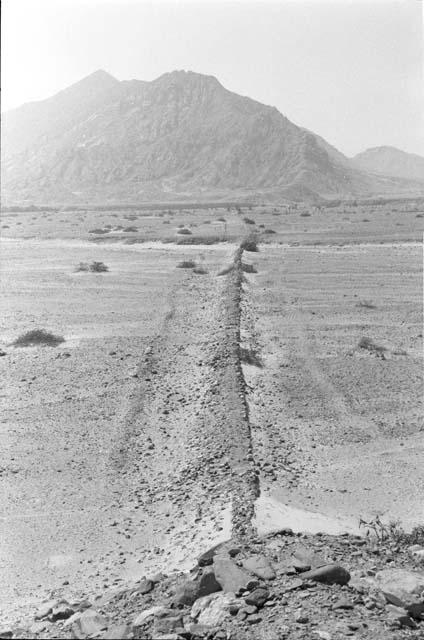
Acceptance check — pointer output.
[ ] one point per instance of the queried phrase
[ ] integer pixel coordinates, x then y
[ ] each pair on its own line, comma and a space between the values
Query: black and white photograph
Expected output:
211, 328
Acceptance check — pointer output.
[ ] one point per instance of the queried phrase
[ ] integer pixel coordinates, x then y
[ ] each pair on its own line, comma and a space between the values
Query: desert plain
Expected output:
189, 403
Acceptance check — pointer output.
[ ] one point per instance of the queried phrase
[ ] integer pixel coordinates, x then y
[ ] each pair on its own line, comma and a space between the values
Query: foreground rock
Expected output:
252, 590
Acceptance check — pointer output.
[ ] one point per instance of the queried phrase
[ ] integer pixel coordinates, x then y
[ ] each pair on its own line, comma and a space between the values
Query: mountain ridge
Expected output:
391, 161
180, 134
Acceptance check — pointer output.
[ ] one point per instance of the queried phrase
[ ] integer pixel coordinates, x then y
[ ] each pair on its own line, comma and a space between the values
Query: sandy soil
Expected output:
122, 446
337, 429
136, 444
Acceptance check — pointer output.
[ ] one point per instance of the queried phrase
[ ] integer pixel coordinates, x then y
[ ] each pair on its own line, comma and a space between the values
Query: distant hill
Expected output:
390, 161
182, 135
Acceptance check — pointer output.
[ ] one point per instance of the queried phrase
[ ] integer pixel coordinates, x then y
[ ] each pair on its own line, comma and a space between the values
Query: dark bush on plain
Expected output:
370, 345
38, 337
186, 264
98, 267
249, 244
184, 232
248, 220
99, 231
200, 271
130, 229
366, 304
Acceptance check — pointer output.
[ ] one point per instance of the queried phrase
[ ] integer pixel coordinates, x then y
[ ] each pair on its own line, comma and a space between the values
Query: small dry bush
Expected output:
186, 264
221, 220
98, 267
99, 231
305, 214
130, 229
369, 345
200, 271
249, 221
249, 245
366, 304
184, 232
269, 231
38, 337
392, 532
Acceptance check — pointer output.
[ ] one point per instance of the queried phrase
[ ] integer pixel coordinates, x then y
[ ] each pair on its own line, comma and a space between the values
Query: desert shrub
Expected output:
269, 231
186, 264
366, 304
166, 222
392, 532
420, 215
249, 244
130, 229
38, 337
98, 267
248, 220
370, 345
221, 220
200, 271
184, 231
365, 220
98, 231
226, 270
248, 268
305, 214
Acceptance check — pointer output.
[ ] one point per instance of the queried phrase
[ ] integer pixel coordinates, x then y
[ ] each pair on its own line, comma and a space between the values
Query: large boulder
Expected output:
89, 623
328, 574
403, 588
213, 609
260, 566
231, 577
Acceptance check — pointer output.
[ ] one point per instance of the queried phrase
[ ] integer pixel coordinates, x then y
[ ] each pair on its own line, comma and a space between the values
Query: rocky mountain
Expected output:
390, 161
180, 135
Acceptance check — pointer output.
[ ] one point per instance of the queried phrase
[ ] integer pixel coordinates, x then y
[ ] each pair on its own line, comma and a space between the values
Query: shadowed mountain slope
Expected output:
181, 135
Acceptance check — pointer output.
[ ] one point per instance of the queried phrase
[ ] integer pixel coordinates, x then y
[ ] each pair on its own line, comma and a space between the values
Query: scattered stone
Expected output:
258, 597
259, 566
146, 614
208, 583
36, 627
301, 618
329, 574
213, 609
400, 616
45, 609
121, 631
145, 586
254, 619
61, 611
229, 575
294, 584
89, 623
343, 603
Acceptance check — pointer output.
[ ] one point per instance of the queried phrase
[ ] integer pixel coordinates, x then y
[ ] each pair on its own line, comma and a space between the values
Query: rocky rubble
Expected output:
282, 586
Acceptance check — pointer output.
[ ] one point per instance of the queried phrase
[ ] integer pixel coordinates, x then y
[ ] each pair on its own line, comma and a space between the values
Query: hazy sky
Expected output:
350, 71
